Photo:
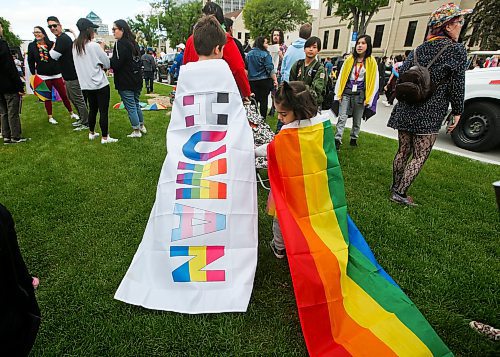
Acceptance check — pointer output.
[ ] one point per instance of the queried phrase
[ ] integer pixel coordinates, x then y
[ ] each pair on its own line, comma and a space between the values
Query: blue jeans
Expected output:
130, 99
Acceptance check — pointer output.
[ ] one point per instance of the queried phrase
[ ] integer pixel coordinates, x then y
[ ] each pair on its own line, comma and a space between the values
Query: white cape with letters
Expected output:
199, 250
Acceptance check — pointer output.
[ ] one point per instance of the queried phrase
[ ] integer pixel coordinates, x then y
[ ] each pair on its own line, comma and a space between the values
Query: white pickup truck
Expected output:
479, 126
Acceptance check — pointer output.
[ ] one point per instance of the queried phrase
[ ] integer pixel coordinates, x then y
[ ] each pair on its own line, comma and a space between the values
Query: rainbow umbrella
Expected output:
122, 106
40, 88
155, 106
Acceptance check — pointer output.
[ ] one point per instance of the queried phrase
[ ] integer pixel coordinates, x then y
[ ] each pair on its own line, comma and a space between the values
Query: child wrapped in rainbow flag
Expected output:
348, 305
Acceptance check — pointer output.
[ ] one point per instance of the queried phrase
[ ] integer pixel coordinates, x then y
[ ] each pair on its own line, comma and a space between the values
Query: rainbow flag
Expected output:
347, 304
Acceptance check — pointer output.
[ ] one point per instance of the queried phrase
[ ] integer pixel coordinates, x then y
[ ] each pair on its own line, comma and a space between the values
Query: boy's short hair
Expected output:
313, 40
305, 31
207, 35
53, 18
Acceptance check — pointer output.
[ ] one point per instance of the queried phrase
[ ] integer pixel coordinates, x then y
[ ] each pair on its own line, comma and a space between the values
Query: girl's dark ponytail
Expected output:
296, 96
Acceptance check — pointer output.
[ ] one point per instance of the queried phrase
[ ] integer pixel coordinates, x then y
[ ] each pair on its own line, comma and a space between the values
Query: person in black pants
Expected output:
90, 62
261, 73
19, 311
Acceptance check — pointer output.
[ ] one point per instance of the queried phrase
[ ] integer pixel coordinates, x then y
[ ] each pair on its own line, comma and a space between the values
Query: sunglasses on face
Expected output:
37, 32
53, 26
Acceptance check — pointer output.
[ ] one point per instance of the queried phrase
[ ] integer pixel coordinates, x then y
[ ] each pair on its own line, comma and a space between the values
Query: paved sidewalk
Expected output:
378, 125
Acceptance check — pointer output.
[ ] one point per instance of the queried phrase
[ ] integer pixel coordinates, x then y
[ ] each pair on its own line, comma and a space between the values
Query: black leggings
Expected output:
98, 101
404, 169
261, 89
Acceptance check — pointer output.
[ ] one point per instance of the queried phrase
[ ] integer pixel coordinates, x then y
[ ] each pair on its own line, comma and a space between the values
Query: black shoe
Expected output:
19, 140
7, 140
353, 142
337, 144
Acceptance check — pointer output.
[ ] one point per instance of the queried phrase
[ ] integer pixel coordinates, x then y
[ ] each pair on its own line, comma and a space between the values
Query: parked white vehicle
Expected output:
479, 126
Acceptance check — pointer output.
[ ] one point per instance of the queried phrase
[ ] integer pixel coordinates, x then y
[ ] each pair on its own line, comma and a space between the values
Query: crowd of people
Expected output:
295, 76
77, 70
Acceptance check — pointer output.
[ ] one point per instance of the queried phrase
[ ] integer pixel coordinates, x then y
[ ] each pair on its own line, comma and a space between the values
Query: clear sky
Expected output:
24, 14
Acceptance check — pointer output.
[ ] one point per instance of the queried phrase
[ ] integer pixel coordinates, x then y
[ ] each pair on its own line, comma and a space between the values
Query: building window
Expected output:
239, 35
410, 34
377, 39
329, 10
247, 36
336, 37
325, 39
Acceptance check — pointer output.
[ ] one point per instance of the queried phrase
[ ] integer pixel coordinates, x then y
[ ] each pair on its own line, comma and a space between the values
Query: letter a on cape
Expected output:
199, 250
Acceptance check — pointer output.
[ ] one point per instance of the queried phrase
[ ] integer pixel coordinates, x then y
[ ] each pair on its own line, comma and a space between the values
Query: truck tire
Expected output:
479, 127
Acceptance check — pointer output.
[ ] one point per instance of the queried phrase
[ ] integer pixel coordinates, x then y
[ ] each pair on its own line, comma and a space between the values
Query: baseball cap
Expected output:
445, 13
84, 24
181, 46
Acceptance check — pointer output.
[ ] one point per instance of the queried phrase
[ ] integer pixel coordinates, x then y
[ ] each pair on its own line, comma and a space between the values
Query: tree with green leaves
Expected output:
178, 19
12, 39
358, 12
148, 26
262, 16
484, 23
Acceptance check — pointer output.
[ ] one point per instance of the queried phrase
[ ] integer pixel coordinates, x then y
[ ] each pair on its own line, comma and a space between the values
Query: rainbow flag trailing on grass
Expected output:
347, 304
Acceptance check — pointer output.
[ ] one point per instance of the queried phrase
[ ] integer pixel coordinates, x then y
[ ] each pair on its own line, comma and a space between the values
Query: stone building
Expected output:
394, 29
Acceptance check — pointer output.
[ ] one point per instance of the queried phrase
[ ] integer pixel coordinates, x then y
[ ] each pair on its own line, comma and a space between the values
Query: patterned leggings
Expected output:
404, 169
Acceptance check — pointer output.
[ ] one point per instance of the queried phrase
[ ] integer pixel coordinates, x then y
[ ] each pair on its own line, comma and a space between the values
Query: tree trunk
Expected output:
362, 27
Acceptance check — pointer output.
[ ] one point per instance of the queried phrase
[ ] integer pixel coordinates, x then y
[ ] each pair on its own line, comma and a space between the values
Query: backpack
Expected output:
415, 85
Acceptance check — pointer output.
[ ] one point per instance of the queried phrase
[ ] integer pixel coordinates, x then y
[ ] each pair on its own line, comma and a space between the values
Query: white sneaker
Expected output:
143, 129
81, 127
135, 134
108, 140
52, 121
93, 136
75, 116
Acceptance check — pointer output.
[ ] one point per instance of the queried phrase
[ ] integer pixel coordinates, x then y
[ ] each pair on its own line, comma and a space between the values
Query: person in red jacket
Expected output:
231, 54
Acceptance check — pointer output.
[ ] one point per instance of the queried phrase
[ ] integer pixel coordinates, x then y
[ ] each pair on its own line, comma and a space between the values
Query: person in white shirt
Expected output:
90, 62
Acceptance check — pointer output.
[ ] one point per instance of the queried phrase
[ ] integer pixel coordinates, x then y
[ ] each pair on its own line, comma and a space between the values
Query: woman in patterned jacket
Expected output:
418, 124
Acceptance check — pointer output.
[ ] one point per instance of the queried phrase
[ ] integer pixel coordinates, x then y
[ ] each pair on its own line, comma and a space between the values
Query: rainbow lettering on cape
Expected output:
200, 180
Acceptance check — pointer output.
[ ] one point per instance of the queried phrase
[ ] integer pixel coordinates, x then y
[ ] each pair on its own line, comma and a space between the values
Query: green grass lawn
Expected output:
81, 209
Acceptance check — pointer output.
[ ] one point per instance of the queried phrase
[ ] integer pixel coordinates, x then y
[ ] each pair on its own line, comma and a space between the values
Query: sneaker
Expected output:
407, 201
278, 253
75, 116
52, 121
109, 140
337, 144
93, 136
143, 129
76, 123
487, 330
19, 140
7, 140
353, 142
135, 134
81, 127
